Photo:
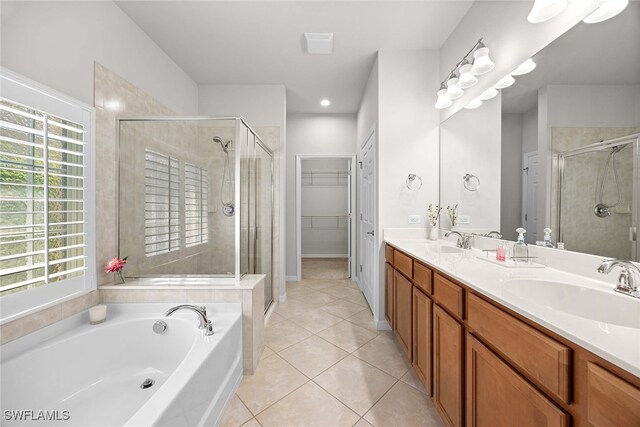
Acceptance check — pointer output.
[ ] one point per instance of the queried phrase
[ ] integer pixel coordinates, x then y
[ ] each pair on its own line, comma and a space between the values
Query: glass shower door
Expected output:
599, 198
263, 215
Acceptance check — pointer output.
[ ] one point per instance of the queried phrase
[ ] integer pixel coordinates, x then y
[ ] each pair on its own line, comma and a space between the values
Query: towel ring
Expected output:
411, 179
471, 182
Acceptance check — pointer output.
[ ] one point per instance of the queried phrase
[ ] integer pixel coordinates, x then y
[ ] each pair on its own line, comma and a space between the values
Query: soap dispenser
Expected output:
520, 248
547, 243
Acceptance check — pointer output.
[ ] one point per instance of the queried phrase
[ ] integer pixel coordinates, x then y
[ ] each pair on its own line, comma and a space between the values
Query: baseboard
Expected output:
383, 325
283, 297
325, 255
291, 278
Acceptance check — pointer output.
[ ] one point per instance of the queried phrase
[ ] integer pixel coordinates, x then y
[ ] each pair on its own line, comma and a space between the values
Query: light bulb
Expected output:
482, 63
443, 101
488, 94
506, 81
473, 104
543, 10
325, 102
453, 91
467, 79
524, 68
606, 10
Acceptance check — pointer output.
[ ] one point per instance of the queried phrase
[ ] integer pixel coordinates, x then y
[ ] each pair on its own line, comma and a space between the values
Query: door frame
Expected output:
352, 197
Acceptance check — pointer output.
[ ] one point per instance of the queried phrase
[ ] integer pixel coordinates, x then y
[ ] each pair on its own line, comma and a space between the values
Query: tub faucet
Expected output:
464, 240
627, 283
201, 311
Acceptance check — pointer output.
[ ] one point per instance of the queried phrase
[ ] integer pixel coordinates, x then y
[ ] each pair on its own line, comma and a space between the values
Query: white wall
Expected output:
408, 142
471, 143
509, 36
530, 131
56, 44
324, 197
511, 175
312, 134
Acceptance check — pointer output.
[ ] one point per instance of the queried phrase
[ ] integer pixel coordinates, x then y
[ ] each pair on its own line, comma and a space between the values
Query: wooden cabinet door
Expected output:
497, 396
422, 315
389, 294
448, 368
403, 299
611, 400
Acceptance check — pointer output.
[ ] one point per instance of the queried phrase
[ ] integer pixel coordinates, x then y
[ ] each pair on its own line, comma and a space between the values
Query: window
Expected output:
162, 206
196, 188
45, 181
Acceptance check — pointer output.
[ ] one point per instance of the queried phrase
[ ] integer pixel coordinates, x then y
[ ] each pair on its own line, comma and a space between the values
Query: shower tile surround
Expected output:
601, 240
115, 97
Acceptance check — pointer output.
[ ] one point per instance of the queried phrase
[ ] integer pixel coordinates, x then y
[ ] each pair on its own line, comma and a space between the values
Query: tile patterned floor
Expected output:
325, 364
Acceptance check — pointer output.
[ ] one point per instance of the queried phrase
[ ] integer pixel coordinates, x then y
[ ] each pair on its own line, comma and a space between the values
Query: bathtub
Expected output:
76, 374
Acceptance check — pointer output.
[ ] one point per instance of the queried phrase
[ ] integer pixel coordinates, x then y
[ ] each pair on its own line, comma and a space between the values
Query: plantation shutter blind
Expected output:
42, 200
162, 203
196, 183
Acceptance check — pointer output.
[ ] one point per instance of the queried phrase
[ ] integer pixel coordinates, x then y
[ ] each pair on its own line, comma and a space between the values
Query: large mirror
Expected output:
558, 149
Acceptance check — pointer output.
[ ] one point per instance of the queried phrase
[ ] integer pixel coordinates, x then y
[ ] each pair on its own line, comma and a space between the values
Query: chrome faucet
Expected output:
464, 240
627, 283
493, 233
201, 311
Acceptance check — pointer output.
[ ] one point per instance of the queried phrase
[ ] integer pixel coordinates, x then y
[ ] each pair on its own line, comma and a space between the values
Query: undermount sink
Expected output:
443, 249
601, 306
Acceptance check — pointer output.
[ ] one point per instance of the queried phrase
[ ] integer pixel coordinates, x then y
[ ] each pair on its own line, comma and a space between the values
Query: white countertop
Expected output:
617, 344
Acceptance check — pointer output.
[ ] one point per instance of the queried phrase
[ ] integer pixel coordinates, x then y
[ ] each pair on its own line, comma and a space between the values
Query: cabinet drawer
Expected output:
422, 277
498, 396
611, 401
544, 360
403, 263
388, 254
449, 295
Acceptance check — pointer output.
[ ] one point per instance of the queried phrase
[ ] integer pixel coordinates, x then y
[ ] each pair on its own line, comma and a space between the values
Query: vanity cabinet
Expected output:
403, 297
422, 317
486, 365
448, 367
389, 300
498, 396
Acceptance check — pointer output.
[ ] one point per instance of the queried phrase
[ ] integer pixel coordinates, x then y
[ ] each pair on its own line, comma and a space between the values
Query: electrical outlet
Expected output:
414, 219
464, 219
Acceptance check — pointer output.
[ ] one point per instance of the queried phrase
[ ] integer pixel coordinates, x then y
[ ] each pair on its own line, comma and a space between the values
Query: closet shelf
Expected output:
325, 178
325, 222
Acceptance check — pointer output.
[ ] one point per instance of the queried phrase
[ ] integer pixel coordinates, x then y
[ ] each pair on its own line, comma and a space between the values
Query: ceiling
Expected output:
255, 43
606, 53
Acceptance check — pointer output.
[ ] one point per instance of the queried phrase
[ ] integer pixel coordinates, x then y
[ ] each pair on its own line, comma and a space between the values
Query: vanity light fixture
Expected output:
443, 101
524, 68
482, 63
543, 10
452, 87
467, 78
325, 102
473, 104
504, 82
488, 94
608, 9
453, 91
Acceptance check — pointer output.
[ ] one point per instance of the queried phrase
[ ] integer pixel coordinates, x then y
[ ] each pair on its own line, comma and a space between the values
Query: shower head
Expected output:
224, 145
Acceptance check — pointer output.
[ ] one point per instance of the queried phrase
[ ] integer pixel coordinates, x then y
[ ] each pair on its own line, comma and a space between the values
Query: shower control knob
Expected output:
602, 210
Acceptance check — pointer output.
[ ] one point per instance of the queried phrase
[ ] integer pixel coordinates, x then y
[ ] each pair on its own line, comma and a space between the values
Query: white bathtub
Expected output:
91, 374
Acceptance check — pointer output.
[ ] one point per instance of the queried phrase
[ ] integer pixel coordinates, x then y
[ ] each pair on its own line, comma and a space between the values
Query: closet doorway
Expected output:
325, 190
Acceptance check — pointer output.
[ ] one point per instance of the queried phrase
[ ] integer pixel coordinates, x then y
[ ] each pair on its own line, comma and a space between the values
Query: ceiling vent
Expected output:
319, 43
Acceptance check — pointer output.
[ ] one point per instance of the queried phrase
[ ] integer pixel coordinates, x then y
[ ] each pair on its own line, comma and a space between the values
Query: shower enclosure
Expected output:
598, 198
195, 199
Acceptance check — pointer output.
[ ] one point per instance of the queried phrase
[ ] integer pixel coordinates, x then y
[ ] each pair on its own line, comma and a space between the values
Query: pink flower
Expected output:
115, 265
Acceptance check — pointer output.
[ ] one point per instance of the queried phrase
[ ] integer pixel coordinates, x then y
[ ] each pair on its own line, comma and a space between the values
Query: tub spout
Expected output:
201, 311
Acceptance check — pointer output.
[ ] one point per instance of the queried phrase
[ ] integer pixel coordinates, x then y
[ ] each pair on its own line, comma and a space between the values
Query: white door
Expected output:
349, 216
530, 196
367, 219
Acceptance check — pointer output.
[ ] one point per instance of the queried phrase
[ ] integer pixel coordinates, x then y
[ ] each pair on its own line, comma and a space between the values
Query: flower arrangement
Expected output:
116, 265
453, 214
433, 214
